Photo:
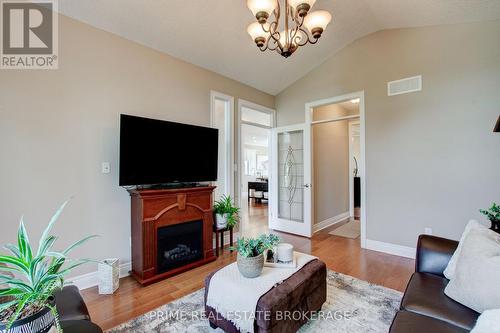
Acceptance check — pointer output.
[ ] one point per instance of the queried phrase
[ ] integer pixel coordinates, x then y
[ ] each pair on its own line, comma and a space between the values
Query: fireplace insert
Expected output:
179, 245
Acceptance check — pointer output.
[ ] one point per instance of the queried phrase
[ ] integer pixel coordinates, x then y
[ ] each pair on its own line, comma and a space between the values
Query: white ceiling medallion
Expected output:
301, 27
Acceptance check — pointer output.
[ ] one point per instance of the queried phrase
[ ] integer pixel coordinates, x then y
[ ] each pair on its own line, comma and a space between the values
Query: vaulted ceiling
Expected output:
212, 33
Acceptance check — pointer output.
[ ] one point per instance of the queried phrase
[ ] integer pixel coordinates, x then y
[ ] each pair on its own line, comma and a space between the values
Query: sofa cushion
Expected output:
425, 296
70, 304
477, 272
449, 272
407, 322
488, 322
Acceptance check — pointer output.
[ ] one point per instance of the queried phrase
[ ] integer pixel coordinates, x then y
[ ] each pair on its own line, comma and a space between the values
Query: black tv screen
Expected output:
161, 152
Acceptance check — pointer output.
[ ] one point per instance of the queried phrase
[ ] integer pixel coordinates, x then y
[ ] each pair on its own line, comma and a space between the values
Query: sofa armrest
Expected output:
434, 254
70, 304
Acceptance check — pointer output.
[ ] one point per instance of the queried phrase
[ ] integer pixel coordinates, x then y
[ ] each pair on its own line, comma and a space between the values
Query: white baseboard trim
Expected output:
90, 280
331, 221
394, 249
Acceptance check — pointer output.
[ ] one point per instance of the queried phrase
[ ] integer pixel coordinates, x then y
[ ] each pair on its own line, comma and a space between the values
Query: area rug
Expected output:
352, 306
351, 229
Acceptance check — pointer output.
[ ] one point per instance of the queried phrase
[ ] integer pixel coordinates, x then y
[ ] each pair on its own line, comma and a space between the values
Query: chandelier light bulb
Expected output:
259, 36
262, 9
317, 21
301, 6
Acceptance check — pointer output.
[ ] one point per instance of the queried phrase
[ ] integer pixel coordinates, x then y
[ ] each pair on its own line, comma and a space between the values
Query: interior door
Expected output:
290, 184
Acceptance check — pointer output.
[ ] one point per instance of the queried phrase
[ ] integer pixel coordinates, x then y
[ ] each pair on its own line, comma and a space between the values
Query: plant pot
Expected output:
250, 267
221, 221
495, 225
40, 322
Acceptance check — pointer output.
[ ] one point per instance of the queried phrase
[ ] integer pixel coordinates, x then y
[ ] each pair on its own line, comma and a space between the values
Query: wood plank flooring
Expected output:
340, 254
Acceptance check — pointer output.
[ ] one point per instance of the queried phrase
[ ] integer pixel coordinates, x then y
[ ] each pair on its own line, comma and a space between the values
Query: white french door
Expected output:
290, 184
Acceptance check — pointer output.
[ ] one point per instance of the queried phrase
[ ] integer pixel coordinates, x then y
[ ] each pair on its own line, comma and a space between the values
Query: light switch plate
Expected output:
105, 167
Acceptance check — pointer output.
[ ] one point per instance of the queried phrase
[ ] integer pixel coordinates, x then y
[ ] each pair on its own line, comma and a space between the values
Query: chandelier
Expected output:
301, 27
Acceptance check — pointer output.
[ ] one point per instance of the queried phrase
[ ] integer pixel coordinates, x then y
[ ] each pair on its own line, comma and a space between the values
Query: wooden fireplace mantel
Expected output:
153, 209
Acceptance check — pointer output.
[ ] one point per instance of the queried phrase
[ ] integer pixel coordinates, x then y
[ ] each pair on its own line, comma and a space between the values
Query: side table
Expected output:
221, 233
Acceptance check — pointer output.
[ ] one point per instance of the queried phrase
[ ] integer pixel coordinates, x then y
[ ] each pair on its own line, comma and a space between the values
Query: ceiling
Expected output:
212, 33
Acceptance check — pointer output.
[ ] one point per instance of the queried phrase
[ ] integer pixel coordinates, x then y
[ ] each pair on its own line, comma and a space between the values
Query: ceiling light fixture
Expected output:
301, 26
355, 101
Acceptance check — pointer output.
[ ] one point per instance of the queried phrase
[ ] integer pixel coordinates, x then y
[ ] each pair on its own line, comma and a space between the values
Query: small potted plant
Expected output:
250, 258
226, 213
31, 277
493, 214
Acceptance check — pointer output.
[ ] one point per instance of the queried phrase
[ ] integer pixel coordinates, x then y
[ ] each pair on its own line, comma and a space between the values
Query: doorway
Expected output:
338, 159
255, 124
222, 118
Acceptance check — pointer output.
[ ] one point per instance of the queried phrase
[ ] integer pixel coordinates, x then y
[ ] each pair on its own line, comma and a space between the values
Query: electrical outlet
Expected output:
105, 167
428, 231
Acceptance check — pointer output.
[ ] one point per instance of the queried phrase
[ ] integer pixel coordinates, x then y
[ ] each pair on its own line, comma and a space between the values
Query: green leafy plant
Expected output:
252, 247
225, 207
32, 276
493, 213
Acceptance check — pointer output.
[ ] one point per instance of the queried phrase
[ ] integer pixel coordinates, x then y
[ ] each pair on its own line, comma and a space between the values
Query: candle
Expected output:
285, 252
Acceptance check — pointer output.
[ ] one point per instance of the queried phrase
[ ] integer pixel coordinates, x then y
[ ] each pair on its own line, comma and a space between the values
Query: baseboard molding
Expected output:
91, 279
331, 221
389, 248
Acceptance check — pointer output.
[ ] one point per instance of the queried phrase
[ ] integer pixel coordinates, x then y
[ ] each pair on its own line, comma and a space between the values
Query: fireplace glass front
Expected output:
179, 245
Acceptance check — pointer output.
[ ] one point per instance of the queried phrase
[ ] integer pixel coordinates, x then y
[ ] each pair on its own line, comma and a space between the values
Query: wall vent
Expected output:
404, 86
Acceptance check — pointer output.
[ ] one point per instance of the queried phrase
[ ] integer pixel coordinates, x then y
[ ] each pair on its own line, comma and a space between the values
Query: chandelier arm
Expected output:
308, 39
273, 33
268, 46
297, 28
273, 48
299, 22
277, 44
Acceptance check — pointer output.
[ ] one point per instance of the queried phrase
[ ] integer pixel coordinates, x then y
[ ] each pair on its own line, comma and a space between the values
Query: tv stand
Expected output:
153, 209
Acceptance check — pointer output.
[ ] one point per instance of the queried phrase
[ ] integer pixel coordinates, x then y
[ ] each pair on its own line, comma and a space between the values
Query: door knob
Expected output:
307, 185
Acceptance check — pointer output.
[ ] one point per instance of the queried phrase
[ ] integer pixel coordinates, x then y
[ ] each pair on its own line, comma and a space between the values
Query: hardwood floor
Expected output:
340, 254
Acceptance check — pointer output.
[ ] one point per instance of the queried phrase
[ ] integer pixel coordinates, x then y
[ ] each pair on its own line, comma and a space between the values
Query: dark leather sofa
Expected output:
70, 304
425, 307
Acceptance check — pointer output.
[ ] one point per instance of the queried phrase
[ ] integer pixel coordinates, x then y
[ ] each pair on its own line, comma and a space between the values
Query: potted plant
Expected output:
226, 213
493, 214
250, 258
30, 277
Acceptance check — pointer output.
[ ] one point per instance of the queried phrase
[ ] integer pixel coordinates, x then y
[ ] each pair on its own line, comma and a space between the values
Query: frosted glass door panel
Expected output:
291, 175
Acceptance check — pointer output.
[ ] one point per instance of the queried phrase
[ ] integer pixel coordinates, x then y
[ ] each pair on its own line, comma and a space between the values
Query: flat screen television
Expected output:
162, 152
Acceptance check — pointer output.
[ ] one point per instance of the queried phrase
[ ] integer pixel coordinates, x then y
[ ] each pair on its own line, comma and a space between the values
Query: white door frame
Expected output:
229, 128
239, 167
309, 121
351, 167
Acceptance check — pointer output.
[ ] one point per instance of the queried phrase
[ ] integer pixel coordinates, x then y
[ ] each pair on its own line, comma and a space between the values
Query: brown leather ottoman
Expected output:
300, 295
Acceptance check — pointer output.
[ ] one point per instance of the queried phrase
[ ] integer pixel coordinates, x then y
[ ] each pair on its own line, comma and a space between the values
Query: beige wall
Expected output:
431, 157
56, 127
331, 169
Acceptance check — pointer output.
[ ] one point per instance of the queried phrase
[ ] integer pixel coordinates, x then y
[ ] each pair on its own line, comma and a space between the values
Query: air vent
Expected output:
404, 86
